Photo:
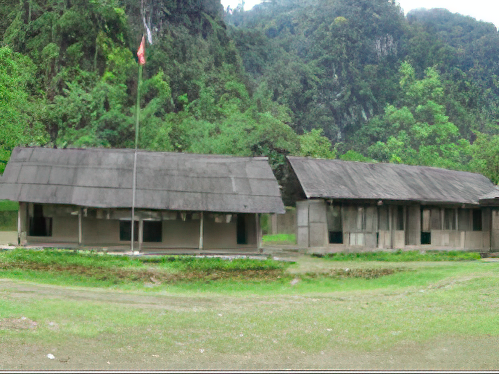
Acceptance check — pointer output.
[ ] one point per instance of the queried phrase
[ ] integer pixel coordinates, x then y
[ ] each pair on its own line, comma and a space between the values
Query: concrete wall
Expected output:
102, 228
282, 223
180, 234
494, 236
413, 225
100, 231
302, 237
318, 235
224, 235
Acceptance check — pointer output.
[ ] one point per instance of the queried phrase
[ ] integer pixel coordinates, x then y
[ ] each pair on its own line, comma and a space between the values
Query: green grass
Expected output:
179, 274
457, 300
85, 268
405, 256
176, 263
279, 239
9, 206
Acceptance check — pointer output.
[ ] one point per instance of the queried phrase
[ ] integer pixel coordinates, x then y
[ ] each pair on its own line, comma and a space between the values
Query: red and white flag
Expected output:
141, 53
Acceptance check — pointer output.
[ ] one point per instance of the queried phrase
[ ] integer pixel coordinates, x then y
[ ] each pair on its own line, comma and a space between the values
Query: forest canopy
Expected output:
348, 79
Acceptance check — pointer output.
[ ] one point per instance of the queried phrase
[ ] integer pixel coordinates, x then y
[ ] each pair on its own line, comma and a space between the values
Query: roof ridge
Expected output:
389, 164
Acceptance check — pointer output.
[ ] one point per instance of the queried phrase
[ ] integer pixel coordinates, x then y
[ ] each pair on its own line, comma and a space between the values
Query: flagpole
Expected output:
135, 157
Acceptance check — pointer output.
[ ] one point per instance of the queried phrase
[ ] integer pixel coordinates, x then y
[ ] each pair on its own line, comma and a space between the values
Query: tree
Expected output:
420, 132
314, 144
486, 156
18, 123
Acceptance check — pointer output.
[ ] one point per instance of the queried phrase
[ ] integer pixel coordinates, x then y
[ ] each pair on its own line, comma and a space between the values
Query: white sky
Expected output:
485, 10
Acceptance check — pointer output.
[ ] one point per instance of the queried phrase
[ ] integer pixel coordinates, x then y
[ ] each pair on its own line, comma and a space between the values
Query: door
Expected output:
425, 226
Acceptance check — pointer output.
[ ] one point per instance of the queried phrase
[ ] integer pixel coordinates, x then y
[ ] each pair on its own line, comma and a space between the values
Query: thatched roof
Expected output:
103, 178
337, 179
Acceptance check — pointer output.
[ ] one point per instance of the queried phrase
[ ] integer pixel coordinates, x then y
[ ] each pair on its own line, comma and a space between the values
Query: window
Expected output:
449, 219
38, 224
436, 219
126, 231
425, 226
242, 237
153, 231
361, 218
464, 223
383, 220
477, 220
334, 224
400, 218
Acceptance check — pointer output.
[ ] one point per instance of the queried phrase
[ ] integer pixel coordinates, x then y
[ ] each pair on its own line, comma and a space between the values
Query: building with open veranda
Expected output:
357, 206
183, 202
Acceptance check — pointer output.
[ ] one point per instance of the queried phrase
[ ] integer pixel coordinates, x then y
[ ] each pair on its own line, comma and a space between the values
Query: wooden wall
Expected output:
395, 226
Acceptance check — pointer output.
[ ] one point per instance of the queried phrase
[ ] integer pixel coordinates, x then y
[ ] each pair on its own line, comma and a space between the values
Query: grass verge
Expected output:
123, 269
190, 274
404, 256
279, 239
65, 267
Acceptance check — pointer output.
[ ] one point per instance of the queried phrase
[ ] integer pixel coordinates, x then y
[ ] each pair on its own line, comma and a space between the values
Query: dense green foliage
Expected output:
418, 90
9, 206
352, 79
8, 215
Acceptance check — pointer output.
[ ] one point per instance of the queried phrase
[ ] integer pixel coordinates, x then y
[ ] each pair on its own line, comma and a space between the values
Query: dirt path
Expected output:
102, 353
450, 354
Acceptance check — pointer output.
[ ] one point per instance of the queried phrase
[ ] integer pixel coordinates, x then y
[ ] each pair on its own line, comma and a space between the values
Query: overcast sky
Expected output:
485, 10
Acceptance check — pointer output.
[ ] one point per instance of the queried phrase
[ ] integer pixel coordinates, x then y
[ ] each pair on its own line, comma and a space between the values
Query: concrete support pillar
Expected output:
141, 233
19, 230
80, 231
201, 231
442, 218
24, 216
390, 225
406, 228
258, 232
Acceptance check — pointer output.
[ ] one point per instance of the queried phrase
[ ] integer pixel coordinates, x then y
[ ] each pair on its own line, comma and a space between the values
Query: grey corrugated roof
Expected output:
178, 181
337, 179
492, 198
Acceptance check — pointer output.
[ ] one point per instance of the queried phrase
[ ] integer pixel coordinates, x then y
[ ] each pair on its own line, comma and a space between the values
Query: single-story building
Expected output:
356, 206
83, 197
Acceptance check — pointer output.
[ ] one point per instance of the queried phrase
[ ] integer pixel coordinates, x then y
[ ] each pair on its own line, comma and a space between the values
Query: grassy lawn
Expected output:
279, 239
174, 313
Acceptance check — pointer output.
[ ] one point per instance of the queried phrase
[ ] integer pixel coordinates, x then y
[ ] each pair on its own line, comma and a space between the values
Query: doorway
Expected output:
425, 226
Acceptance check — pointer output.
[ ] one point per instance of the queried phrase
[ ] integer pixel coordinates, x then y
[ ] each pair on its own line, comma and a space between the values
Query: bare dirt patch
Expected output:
159, 276
81, 354
356, 273
21, 323
145, 275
